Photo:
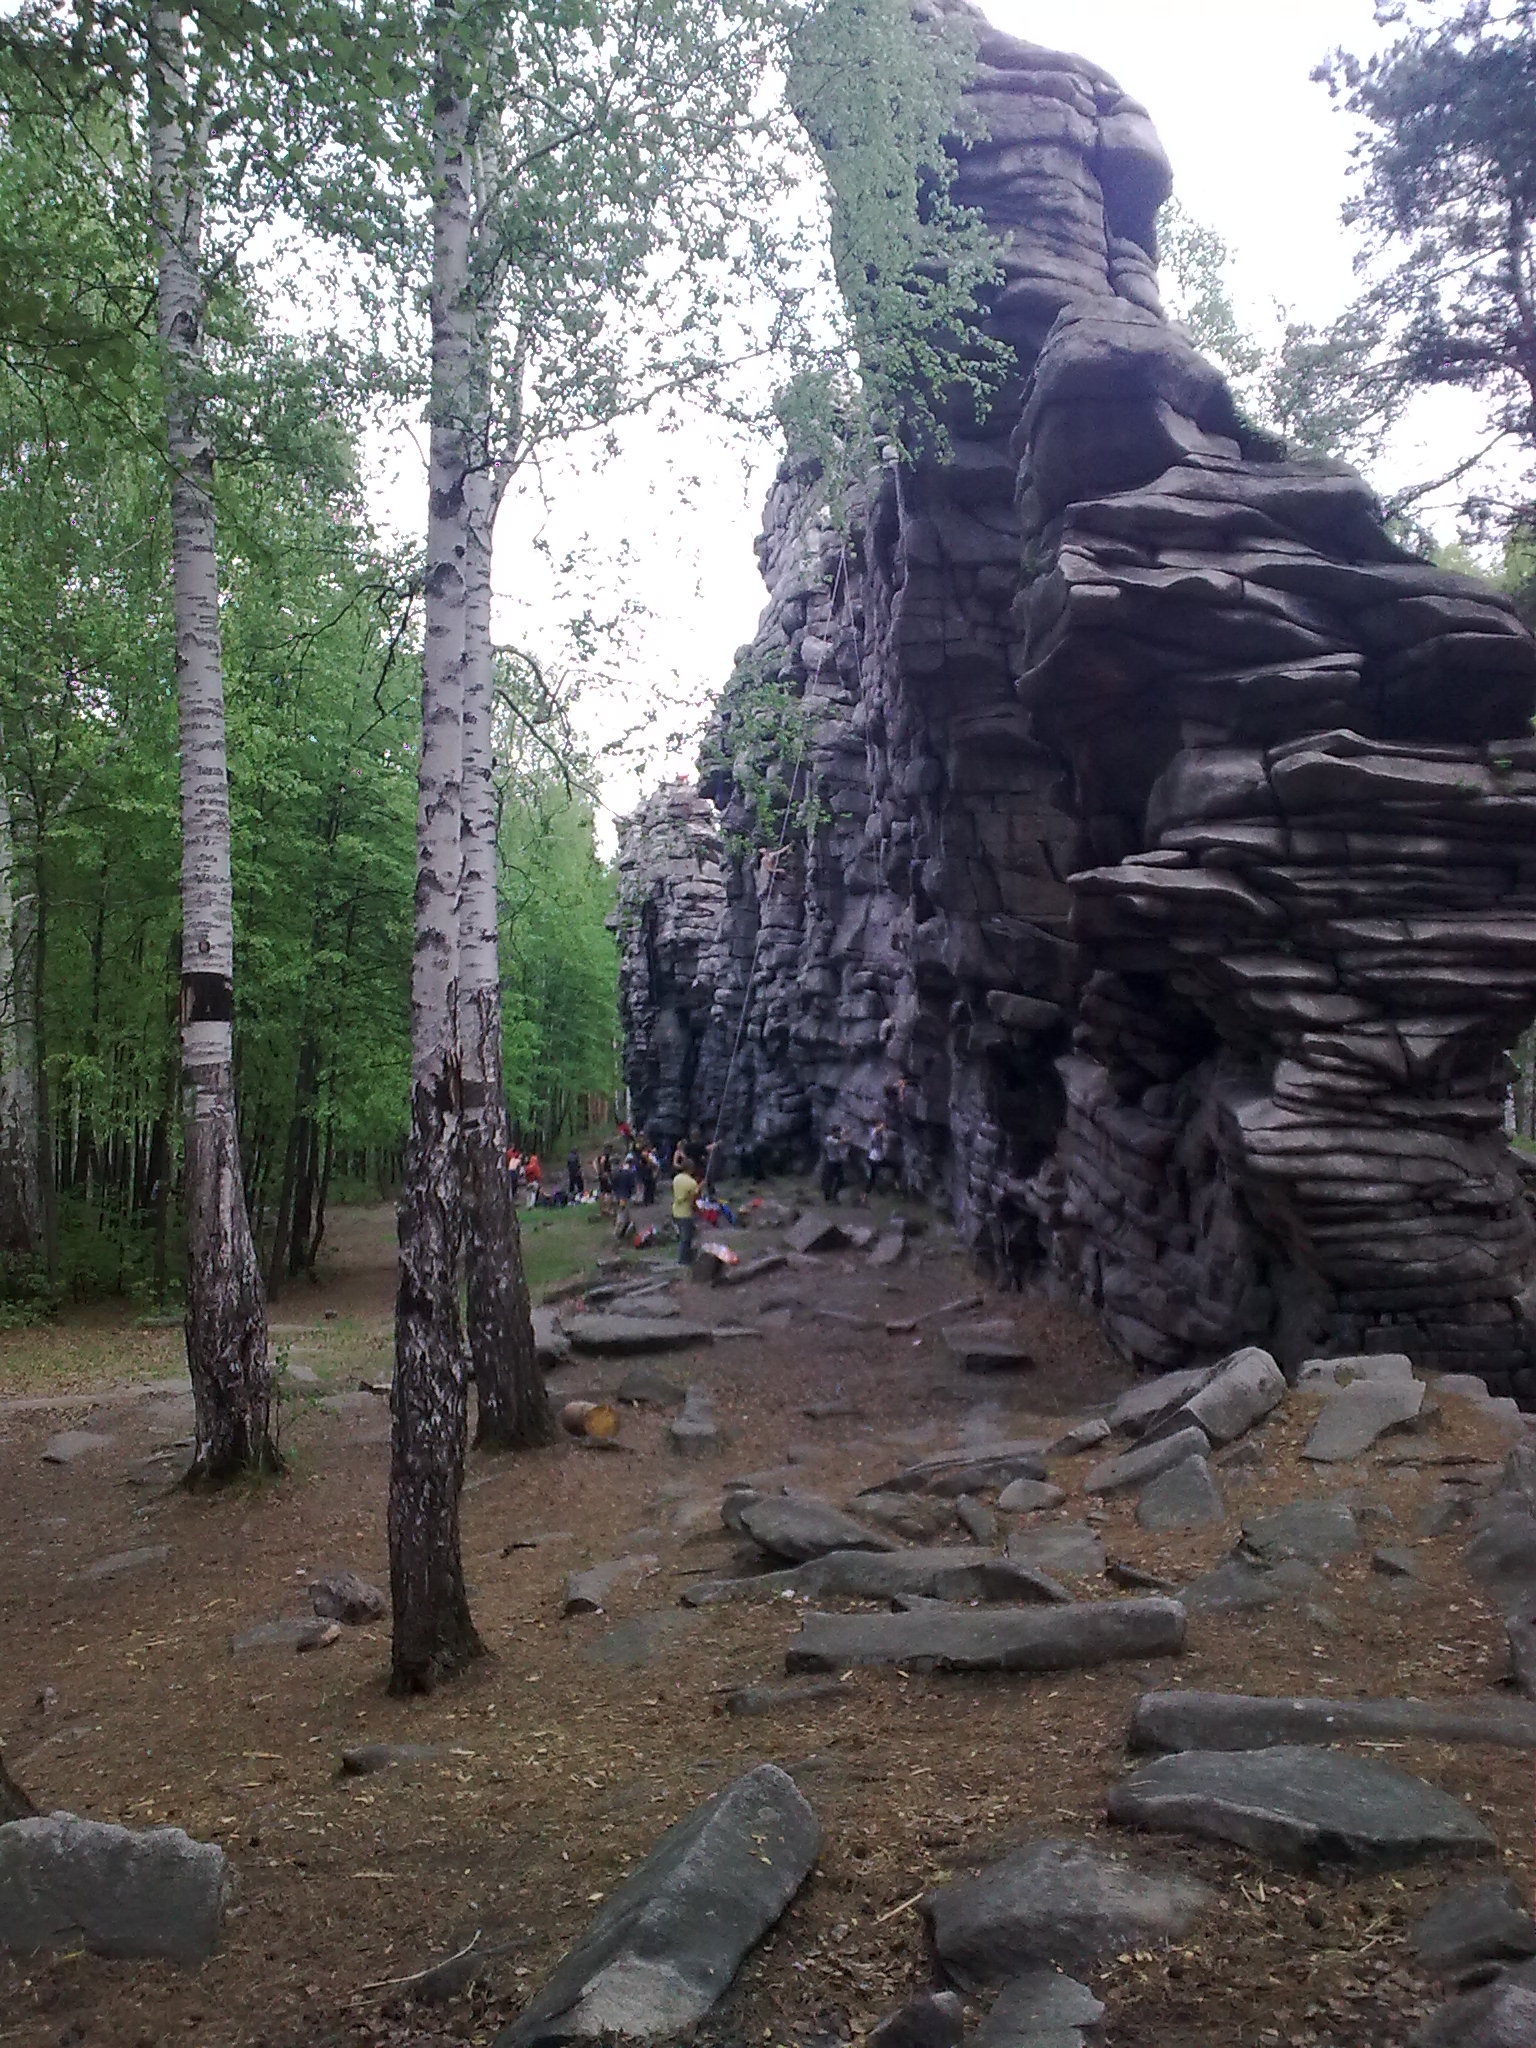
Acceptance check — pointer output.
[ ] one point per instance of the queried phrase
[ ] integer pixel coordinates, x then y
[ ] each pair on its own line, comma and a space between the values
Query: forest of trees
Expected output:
299, 890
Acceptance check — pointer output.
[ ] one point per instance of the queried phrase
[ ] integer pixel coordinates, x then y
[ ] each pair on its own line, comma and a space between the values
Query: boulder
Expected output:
623, 1336
1186, 1496
1082, 1436
817, 1232
1354, 1417
1150, 1401
343, 1596
68, 1884
1218, 1720
799, 1527
1472, 1924
1301, 1808
1047, 1638
989, 1347
1241, 1392
1029, 1496
934, 2019
668, 1941
1135, 1468
644, 1387
1059, 1904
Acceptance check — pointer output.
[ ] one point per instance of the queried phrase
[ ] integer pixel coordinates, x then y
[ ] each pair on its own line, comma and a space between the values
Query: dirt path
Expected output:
570, 1749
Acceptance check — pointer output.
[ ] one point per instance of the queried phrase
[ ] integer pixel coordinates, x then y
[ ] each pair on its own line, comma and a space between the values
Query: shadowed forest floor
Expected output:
570, 1748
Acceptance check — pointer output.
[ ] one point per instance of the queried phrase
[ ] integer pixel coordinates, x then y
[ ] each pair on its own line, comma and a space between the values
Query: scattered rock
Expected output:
817, 1232
1356, 1415
626, 1336
328, 1632
71, 1444
1394, 1562
1135, 1468
1318, 1373
775, 1699
1148, 1403
1011, 1639
799, 1527
1236, 1585
888, 1249
127, 1561
343, 1596
1186, 1496
970, 1471
1057, 1903
1041, 2009
1241, 1392
369, 1757
68, 1884
1069, 1550
1030, 1496
551, 1346
1217, 1720
299, 1632
1446, 1509
1472, 1924
1502, 2015
644, 1387
1300, 1807
1082, 1436
695, 1433
911, 1516
669, 1940
587, 1592
989, 1347
1316, 1531
934, 2019
979, 1521
1135, 1580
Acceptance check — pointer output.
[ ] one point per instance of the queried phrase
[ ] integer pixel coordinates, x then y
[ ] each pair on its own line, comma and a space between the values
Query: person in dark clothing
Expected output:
624, 1181
834, 1163
649, 1167
575, 1183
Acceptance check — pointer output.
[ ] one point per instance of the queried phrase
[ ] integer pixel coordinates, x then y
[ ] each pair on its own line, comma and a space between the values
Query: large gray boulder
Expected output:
1300, 1807
1142, 1407
1355, 1416
668, 1942
798, 1526
1241, 1392
1056, 1904
70, 1883
1009, 1639
1224, 1720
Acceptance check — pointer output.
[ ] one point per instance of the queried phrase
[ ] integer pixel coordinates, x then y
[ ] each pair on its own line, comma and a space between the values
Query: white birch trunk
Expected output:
226, 1318
21, 1194
434, 1635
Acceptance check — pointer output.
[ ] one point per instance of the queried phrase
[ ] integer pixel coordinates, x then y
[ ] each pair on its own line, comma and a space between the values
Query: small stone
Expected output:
1394, 1562
1240, 1393
588, 1592
1135, 1580
974, 1470
1150, 1401
343, 1596
1236, 1586
1186, 1496
643, 1387
1030, 1496
989, 1347
1082, 1436
127, 1561
934, 2019
777, 1699
1041, 2009
328, 1634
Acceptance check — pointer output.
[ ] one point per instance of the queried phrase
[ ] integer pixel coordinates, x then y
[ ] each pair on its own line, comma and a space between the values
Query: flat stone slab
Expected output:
1134, 1468
988, 1347
1041, 2009
1316, 1531
1354, 1417
1300, 1808
798, 1527
953, 1573
1082, 1436
588, 1592
1221, 1720
1236, 1586
977, 1469
368, 1758
1472, 1924
623, 1336
781, 1699
297, 1632
1317, 1373
69, 1883
1186, 1496
1057, 1904
71, 1444
667, 1944
1066, 1550
817, 1232
1012, 1639
127, 1561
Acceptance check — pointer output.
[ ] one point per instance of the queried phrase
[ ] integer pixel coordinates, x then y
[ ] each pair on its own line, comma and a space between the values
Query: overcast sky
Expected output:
1259, 154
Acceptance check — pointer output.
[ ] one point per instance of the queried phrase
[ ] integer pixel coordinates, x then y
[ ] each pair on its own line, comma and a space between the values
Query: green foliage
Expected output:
760, 741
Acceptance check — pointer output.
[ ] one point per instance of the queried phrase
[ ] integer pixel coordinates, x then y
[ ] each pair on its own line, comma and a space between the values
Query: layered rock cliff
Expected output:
1162, 847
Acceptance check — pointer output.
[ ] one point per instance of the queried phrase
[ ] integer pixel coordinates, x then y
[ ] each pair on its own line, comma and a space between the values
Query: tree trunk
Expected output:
512, 1408
21, 1195
14, 1803
434, 1635
226, 1318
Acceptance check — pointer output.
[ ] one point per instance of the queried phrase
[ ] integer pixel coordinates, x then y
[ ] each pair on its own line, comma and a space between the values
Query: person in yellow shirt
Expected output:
685, 1199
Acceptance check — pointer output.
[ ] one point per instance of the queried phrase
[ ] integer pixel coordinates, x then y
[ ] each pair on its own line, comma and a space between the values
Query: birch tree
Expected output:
226, 1317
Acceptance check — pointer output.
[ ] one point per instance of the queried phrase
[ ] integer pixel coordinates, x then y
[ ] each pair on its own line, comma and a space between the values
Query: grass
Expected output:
559, 1242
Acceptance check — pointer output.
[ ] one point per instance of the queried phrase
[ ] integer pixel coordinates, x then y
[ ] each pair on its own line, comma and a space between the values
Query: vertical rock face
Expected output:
1170, 879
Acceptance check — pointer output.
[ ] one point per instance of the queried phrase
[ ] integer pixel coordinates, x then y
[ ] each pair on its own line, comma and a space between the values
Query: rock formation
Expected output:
1170, 879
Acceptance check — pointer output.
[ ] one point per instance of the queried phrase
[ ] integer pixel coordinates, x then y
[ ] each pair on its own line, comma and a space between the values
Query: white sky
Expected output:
1259, 154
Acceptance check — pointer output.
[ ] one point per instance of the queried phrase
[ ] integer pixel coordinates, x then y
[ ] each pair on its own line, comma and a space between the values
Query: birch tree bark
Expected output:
434, 1635
226, 1316
512, 1408
21, 1197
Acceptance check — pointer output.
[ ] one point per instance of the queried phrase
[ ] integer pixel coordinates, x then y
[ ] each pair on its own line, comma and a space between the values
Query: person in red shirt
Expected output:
533, 1178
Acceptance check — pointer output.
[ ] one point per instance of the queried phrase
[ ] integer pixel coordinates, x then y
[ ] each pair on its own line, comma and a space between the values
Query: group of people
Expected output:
841, 1158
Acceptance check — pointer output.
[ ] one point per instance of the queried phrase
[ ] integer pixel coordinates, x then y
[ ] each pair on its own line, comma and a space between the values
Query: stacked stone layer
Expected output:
1172, 881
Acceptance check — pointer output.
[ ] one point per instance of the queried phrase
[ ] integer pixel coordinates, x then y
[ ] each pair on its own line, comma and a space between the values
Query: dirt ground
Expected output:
578, 1741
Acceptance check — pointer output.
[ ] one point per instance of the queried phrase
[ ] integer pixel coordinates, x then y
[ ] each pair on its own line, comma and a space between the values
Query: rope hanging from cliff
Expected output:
776, 861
